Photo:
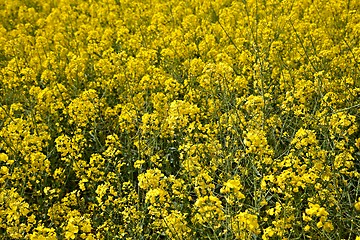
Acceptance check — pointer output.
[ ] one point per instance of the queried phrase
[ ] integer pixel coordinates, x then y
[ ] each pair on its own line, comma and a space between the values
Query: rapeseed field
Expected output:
179, 119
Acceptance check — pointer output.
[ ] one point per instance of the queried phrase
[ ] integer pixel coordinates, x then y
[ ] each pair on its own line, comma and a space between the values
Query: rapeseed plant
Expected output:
185, 119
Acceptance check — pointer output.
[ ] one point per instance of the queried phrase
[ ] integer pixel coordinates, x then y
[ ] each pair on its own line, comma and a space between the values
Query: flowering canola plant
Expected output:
189, 119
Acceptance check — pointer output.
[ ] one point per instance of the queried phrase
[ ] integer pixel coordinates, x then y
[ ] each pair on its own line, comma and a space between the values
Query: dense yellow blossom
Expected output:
190, 119
244, 225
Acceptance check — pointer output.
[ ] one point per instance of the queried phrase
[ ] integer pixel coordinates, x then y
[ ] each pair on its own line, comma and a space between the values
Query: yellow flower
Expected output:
328, 226
319, 224
304, 138
138, 163
306, 218
307, 228
313, 209
150, 179
71, 231
176, 226
156, 196
82, 184
86, 226
244, 224
357, 205
43, 233
209, 211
